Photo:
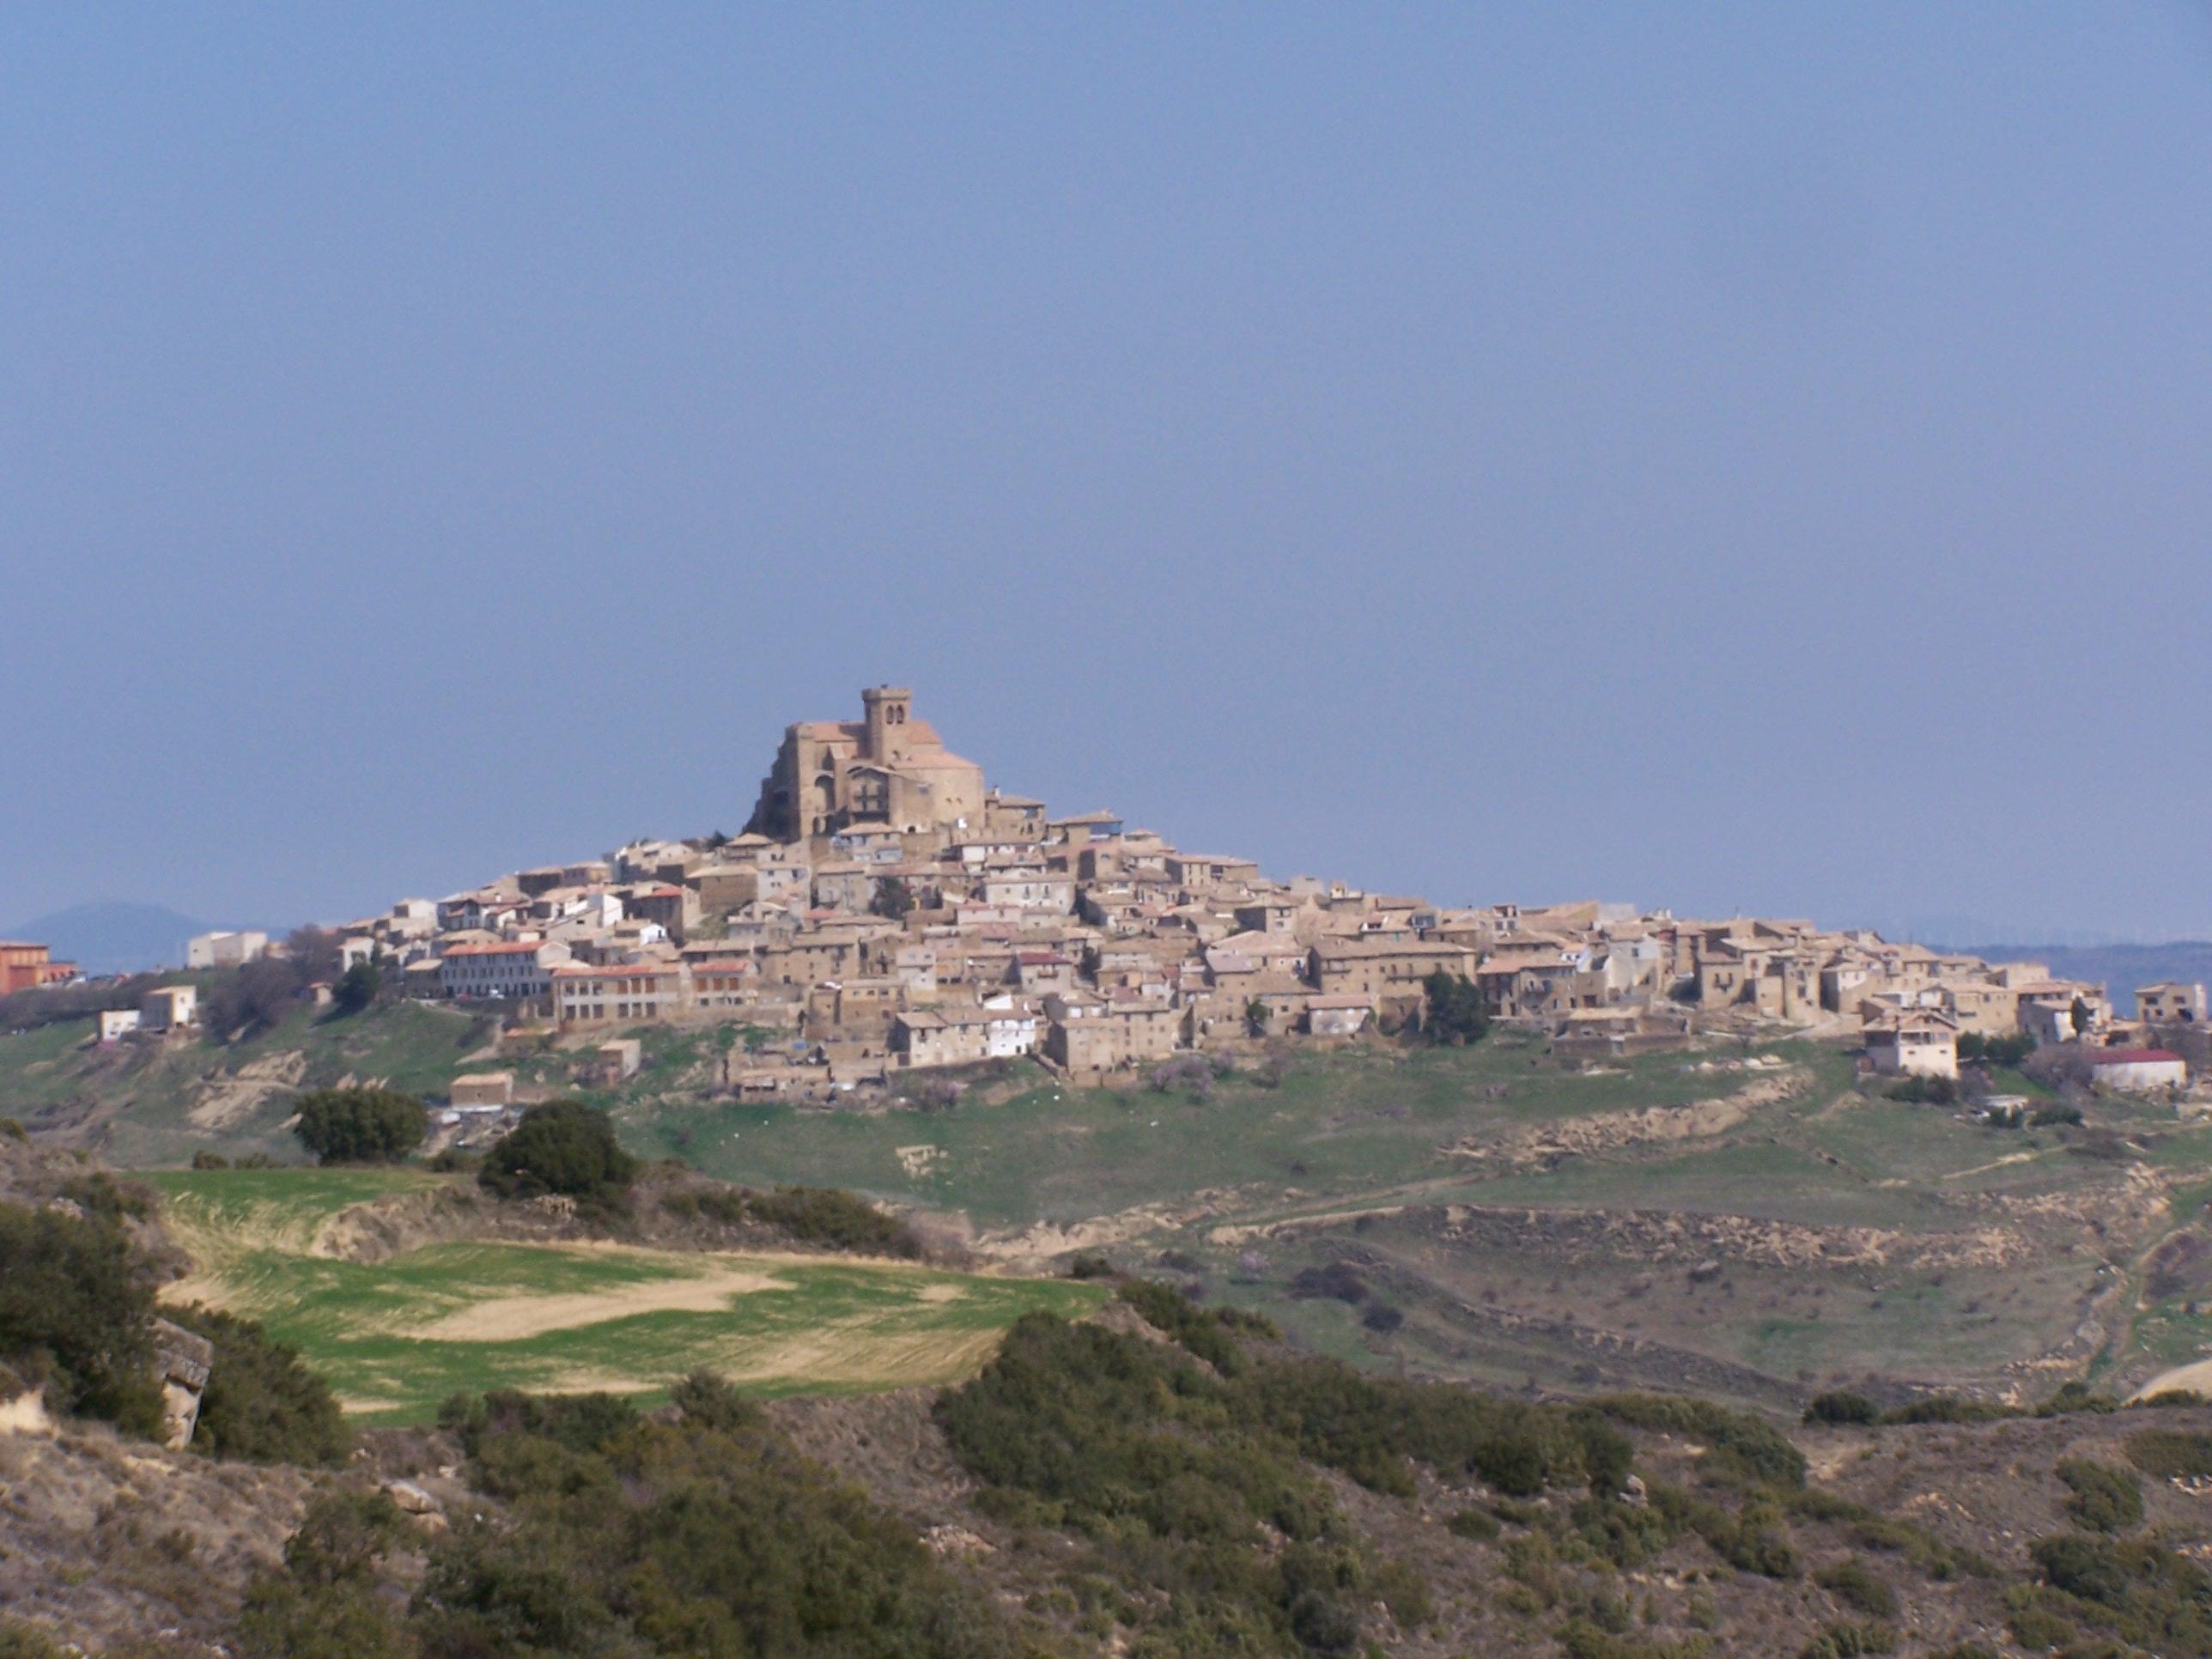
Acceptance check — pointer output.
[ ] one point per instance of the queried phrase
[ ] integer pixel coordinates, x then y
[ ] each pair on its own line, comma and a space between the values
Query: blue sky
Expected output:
1731, 458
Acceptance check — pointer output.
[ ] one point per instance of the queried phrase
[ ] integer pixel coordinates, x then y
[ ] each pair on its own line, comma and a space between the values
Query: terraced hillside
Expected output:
397, 1334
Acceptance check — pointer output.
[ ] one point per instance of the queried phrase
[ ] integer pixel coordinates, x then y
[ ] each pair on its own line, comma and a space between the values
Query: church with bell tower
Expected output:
887, 768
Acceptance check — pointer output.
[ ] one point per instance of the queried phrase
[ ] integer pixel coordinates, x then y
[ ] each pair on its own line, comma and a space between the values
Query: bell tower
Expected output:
887, 707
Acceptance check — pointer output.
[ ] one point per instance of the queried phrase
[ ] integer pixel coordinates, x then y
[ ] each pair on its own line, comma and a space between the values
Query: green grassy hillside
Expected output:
397, 1336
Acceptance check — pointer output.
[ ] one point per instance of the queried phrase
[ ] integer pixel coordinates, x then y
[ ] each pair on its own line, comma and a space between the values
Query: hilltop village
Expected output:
886, 912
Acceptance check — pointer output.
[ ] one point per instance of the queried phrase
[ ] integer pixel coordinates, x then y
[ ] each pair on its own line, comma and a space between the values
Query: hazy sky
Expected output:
1746, 458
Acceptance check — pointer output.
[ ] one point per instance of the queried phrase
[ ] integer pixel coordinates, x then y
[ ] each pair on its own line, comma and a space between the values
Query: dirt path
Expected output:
512, 1318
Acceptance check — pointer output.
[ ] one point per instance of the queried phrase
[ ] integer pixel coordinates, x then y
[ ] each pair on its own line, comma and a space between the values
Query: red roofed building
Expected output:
26, 967
2139, 1071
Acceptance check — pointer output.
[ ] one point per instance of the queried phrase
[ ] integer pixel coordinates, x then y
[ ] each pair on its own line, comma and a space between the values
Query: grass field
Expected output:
1357, 1154
396, 1337
1352, 1123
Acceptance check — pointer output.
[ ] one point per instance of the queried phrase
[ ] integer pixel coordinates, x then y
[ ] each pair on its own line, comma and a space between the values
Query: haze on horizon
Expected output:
1747, 458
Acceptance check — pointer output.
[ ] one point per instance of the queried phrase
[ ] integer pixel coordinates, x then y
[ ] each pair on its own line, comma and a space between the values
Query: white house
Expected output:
519, 969
224, 949
2171, 1004
169, 1008
1913, 1043
117, 1023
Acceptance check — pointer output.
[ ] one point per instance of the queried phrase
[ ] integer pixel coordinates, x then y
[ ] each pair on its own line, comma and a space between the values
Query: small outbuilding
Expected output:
2139, 1071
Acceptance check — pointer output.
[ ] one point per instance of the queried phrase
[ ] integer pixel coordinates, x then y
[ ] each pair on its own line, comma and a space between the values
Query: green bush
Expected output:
835, 1220
1949, 1408
323, 1605
262, 1404
1851, 1582
705, 1536
1737, 1442
1848, 1640
101, 1195
73, 1313
1581, 1638
2170, 1454
2102, 1499
562, 1147
361, 1126
19, 1641
2142, 1593
2009, 1048
1454, 1014
1842, 1406
1478, 1525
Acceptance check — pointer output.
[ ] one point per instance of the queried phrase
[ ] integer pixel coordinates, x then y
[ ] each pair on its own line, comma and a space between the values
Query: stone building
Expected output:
887, 768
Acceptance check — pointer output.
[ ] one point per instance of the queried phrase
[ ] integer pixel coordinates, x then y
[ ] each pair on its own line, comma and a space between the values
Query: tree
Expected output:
2079, 1014
262, 1404
357, 987
894, 899
74, 1311
1256, 1015
564, 1147
315, 954
361, 1126
1455, 1015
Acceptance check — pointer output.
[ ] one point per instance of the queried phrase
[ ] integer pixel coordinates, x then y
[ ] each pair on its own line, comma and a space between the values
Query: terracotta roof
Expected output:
2136, 1057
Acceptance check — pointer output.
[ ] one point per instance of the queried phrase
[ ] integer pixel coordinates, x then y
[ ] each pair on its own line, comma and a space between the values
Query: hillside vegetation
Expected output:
1162, 1481
360, 1269
1741, 1222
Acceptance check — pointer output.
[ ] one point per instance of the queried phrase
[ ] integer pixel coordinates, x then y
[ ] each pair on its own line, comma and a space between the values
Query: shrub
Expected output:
101, 1195
1949, 1408
361, 1126
1453, 1013
1851, 1582
1737, 1442
1917, 1089
74, 1312
323, 1605
1479, 1525
707, 1535
1086, 1265
836, 1220
2102, 1499
1338, 1280
2009, 1048
19, 1641
12, 1129
261, 1404
2169, 1454
564, 1147
1190, 1073
1848, 1640
356, 988
1842, 1406
1581, 1638
1381, 1318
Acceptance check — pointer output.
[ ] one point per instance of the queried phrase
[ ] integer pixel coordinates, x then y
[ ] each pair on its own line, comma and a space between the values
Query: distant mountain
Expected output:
2119, 968
113, 937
